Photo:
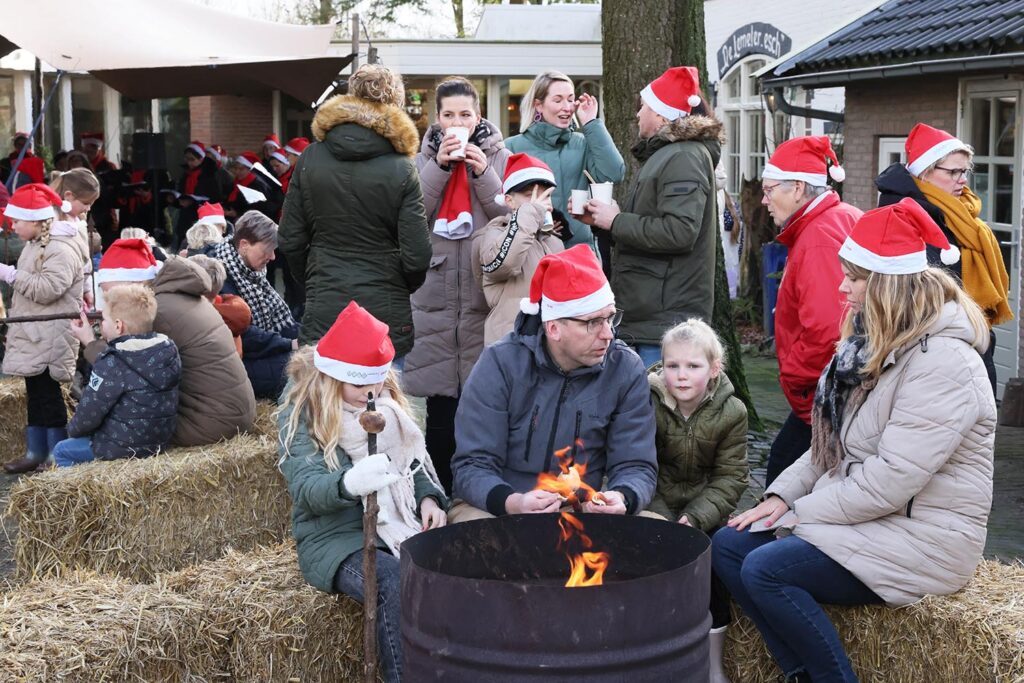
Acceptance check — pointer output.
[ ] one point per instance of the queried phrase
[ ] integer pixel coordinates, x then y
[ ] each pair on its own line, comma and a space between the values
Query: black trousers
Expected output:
44, 401
440, 436
792, 441
988, 358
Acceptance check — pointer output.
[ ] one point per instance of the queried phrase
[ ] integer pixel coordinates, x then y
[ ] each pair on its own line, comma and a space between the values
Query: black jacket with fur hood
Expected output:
353, 226
663, 264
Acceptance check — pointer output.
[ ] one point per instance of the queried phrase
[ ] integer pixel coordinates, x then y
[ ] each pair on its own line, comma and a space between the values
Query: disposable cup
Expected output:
577, 201
602, 192
463, 135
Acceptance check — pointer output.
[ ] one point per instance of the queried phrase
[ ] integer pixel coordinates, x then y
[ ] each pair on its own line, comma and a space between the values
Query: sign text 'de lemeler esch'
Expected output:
752, 39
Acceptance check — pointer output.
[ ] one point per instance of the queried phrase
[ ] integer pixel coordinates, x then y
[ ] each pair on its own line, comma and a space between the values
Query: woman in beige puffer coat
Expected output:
892, 500
48, 279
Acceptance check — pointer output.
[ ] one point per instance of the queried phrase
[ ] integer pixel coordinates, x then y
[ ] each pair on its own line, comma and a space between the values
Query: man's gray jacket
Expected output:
518, 408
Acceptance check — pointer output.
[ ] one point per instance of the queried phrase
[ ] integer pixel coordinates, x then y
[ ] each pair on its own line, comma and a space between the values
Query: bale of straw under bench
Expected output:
281, 628
973, 636
135, 518
87, 627
13, 416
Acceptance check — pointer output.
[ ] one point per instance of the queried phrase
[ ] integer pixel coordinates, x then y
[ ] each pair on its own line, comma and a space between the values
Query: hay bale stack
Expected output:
281, 628
12, 418
87, 627
976, 634
265, 424
135, 518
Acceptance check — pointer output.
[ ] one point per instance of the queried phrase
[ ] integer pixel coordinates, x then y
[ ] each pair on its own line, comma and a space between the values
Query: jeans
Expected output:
73, 451
349, 580
792, 441
649, 353
779, 584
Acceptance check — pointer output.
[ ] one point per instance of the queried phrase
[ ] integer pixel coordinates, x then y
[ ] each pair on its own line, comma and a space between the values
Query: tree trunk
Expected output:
458, 10
640, 41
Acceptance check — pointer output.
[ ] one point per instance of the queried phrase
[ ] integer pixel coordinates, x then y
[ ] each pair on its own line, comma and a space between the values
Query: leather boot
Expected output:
35, 452
716, 643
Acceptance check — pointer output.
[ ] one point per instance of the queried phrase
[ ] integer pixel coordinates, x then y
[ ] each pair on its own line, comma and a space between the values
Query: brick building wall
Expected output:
237, 123
889, 108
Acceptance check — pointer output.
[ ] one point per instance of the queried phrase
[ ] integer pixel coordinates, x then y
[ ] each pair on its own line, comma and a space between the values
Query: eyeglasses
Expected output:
595, 325
957, 173
767, 190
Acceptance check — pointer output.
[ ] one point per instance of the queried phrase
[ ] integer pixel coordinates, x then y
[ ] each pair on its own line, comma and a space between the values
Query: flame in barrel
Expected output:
586, 568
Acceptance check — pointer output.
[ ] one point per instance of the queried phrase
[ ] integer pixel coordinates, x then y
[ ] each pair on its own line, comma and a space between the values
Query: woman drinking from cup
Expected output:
935, 176
461, 163
548, 132
891, 502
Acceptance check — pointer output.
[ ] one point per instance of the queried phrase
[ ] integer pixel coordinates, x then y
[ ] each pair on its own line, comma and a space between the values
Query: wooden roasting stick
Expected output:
92, 315
373, 423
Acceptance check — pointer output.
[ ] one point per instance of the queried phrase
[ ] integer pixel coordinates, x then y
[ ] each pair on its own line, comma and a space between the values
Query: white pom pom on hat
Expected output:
837, 173
528, 307
65, 206
693, 100
950, 256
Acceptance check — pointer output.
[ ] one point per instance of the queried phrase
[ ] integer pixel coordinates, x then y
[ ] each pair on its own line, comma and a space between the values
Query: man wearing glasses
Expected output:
809, 310
560, 381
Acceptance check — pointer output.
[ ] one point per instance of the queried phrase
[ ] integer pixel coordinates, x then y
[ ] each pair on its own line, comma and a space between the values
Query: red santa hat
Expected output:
196, 147
247, 159
809, 158
212, 213
34, 202
296, 146
357, 348
127, 261
217, 152
892, 239
94, 138
926, 145
675, 93
281, 156
272, 139
522, 170
568, 284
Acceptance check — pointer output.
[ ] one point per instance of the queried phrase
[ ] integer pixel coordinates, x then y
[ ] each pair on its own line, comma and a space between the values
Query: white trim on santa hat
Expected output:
904, 264
454, 229
213, 219
292, 150
534, 173
553, 310
659, 107
215, 154
772, 172
918, 166
199, 150
126, 274
360, 375
21, 214
280, 157
244, 162
92, 141
277, 145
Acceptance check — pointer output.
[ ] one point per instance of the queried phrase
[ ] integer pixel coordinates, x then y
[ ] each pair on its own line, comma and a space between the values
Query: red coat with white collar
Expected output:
810, 308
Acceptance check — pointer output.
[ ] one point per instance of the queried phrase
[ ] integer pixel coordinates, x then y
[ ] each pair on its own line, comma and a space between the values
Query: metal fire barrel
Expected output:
486, 601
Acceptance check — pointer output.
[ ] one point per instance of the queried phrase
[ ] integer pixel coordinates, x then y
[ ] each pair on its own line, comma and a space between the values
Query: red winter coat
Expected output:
810, 308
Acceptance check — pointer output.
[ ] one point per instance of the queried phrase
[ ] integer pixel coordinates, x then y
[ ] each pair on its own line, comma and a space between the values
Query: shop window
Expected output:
51, 118
86, 106
745, 119
6, 108
136, 117
175, 122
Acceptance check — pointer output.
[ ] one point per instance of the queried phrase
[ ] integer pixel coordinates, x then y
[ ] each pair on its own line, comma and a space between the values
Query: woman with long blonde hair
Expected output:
325, 460
891, 502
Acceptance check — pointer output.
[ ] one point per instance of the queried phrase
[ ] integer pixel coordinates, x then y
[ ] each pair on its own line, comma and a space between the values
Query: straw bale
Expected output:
281, 628
135, 518
87, 627
13, 416
975, 635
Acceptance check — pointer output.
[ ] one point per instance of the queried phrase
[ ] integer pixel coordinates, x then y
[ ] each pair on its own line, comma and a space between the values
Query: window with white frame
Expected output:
745, 118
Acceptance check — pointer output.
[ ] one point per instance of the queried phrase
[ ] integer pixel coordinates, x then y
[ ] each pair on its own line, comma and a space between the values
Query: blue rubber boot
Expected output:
35, 452
54, 435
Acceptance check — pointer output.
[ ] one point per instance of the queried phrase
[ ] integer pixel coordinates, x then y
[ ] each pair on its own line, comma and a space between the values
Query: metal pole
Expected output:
355, 42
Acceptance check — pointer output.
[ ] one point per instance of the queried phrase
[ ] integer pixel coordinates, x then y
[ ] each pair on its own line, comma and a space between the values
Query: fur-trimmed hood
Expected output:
387, 121
704, 129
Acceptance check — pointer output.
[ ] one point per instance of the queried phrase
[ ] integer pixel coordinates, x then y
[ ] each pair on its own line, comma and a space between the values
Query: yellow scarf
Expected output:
984, 274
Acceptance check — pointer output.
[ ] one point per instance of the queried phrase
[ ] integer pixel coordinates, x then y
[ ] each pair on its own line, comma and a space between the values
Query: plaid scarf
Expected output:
269, 311
840, 385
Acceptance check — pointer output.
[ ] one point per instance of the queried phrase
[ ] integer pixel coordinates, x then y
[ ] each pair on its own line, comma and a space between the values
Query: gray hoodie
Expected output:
518, 408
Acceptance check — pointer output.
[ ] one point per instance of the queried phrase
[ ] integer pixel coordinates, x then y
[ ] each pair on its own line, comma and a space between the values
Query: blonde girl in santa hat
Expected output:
891, 502
325, 461
80, 189
48, 279
936, 175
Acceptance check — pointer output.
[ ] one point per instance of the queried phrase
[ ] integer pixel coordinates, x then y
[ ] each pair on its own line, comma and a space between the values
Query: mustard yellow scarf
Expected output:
984, 274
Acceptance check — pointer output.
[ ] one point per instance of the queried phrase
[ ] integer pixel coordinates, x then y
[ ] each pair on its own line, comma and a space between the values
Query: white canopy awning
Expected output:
174, 48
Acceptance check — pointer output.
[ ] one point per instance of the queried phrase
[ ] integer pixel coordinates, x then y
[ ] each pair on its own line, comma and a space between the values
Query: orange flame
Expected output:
568, 483
580, 564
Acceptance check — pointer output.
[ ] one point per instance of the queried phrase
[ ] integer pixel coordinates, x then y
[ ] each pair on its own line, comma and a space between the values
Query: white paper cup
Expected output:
463, 135
577, 201
602, 192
